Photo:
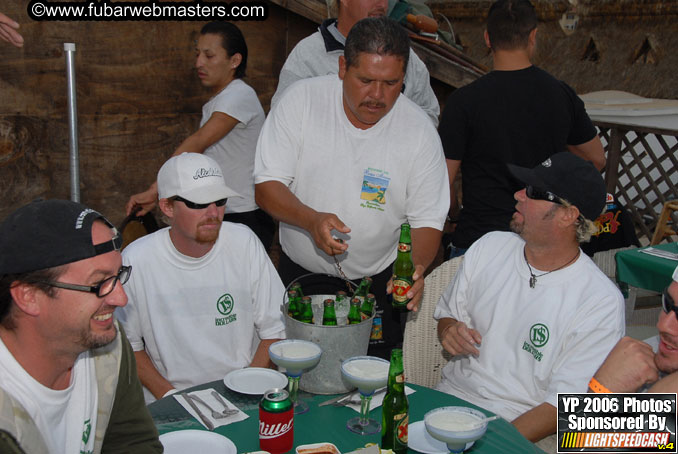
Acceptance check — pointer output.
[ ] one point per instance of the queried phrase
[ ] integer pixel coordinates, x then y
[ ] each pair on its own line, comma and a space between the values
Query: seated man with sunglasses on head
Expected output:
528, 315
637, 366
67, 372
205, 298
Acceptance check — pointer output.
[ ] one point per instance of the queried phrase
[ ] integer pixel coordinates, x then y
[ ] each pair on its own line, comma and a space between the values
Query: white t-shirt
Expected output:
310, 58
65, 418
235, 151
200, 318
536, 342
373, 180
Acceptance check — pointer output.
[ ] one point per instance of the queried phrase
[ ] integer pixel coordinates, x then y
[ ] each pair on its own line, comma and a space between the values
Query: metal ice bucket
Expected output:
337, 342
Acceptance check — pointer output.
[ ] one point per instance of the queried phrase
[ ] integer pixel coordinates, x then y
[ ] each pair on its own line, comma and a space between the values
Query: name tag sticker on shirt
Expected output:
640, 422
373, 192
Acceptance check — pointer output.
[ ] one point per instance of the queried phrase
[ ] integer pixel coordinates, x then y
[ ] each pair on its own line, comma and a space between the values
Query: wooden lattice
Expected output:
646, 171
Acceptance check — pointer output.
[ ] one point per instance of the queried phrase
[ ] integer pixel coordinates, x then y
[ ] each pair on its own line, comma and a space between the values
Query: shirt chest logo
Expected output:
538, 338
539, 335
225, 305
373, 191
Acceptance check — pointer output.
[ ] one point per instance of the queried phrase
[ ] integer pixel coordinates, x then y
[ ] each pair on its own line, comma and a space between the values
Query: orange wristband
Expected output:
596, 387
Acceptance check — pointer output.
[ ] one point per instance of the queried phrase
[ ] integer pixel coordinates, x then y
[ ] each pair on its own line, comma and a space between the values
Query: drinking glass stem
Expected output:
364, 409
293, 388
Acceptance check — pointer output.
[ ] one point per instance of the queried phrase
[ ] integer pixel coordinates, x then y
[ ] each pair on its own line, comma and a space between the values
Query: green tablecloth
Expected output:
328, 423
646, 271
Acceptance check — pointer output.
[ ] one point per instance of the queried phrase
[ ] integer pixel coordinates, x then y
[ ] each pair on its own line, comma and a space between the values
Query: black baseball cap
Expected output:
48, 233
569, 177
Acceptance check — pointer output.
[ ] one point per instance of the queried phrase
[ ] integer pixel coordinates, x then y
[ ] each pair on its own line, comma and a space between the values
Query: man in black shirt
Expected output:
516, 114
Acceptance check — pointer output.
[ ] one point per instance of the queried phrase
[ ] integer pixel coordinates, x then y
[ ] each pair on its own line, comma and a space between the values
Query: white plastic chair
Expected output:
423, 356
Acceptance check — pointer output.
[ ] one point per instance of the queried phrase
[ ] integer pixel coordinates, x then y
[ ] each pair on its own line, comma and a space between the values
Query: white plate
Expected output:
254, 380
420, 440
202, 441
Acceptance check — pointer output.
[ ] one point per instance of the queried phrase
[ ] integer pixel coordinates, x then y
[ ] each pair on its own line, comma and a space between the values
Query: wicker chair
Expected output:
423, 356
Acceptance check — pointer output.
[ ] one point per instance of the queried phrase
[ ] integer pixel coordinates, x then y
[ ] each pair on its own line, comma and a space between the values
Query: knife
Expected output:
187, 397
335, 399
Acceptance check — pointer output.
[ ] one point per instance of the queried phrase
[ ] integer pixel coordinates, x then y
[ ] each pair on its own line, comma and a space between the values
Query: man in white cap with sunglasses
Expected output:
528, 315
206, 298
651, 366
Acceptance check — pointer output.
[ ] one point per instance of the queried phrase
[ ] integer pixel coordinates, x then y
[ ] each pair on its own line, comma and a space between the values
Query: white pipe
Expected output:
69, 49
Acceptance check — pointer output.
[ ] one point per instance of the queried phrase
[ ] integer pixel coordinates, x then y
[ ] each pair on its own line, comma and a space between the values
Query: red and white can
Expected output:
276, 422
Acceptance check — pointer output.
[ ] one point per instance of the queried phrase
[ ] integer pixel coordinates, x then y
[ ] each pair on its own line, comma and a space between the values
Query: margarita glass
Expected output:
295, 355
456, 426
367, 373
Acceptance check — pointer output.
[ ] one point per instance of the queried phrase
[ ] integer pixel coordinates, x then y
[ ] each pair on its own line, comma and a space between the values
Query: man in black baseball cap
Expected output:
532, 302
68, 373
565, 176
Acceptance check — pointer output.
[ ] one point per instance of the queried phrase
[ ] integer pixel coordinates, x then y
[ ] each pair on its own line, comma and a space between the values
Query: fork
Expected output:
215, 414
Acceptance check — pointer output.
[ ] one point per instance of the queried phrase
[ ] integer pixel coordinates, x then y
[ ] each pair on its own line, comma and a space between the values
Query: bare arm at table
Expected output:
538, 423
261, 358
628, 366
668, 384
277, 200
457, 338
150, 377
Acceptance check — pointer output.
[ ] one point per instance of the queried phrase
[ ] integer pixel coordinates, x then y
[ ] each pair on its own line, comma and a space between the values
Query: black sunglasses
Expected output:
101, 288
539, 194
668, 304
200, 206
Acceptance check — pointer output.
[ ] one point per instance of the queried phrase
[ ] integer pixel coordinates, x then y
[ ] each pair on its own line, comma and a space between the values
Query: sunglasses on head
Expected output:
200, 206
539, 194
668, 304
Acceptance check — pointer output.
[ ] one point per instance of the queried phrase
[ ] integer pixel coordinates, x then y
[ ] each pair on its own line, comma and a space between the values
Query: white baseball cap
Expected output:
194, 177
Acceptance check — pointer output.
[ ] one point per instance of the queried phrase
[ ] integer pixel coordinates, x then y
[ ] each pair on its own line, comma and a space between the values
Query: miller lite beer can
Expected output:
276, 422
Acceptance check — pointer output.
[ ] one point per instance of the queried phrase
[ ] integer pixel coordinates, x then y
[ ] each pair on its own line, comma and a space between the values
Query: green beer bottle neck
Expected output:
396, 374
329, 314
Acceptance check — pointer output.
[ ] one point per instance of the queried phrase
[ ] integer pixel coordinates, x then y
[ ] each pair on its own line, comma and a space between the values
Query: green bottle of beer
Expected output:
354, 316
364, 287
293, 303
306, 311
340, 296
403, 269
329, 314
297, 286
367, 309
395, 409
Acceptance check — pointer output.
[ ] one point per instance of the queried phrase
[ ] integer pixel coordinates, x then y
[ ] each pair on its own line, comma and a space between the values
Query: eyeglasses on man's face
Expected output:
199, 206
668, 303
101, 288
539, 194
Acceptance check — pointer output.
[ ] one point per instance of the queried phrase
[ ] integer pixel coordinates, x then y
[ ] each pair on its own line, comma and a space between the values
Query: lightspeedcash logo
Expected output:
105, 10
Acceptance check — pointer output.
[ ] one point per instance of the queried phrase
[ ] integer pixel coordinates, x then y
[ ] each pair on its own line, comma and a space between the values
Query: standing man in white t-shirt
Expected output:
350, 157
67, 372
207, 298
528, 315
318, 55
229, 128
